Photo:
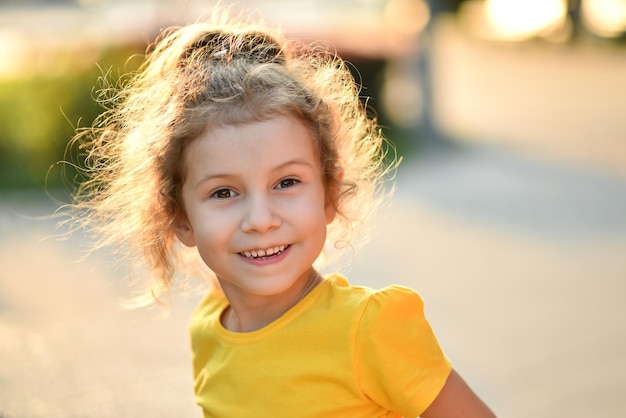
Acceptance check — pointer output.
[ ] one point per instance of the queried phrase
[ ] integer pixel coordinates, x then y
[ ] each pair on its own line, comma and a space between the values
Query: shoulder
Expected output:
387, 295
392, 301
394, 312
396, 301
208, 311
372, 311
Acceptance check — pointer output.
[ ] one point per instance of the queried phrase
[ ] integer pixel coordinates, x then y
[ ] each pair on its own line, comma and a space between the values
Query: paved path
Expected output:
531, 196
67, 349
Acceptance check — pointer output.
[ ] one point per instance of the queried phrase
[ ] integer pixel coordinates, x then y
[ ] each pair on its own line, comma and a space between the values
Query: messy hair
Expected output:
193, 79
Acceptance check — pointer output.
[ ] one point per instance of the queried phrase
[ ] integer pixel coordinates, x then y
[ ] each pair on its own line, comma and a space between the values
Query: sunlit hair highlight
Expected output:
196, 78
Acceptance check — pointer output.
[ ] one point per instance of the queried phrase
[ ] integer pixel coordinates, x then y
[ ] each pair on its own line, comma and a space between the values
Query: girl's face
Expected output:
255, 206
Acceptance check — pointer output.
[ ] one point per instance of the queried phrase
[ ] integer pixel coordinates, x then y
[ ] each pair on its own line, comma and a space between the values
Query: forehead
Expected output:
260, 144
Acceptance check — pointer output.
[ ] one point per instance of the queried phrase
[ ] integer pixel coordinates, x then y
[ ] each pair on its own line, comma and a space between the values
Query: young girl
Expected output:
256, 153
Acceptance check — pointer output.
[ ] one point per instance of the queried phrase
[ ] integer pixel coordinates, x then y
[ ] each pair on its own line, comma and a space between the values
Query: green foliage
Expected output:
38, 117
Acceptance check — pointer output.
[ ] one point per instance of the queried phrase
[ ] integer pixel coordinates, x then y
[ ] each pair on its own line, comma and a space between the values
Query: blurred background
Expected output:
509, 216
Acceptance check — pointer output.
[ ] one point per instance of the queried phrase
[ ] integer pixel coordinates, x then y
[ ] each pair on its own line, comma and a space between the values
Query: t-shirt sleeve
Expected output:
401, 366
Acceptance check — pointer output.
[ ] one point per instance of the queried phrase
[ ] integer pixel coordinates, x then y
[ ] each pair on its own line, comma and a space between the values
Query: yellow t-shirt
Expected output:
342, 351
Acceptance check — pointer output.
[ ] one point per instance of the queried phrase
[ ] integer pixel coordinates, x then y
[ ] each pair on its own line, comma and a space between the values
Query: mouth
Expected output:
264, 253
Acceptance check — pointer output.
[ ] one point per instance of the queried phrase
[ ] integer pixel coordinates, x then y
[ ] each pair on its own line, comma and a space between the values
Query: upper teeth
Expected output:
266, 252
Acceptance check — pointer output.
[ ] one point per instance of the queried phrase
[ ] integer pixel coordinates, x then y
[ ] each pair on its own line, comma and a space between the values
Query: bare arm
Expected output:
457, 399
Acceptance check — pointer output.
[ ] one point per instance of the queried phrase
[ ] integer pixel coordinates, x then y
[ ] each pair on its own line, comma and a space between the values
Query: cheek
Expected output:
312, 211
209, 227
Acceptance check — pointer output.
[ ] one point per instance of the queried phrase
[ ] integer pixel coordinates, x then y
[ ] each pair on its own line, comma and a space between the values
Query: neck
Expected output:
240, 317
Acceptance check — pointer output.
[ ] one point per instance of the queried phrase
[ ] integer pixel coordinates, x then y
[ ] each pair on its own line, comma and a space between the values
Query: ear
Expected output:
184, 231
332, 196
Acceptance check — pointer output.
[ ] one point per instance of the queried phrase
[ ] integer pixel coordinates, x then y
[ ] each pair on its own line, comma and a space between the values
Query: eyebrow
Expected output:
282, 166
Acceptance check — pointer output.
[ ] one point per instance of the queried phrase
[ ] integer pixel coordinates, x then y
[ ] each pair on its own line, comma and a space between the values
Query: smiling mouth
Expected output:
268, 252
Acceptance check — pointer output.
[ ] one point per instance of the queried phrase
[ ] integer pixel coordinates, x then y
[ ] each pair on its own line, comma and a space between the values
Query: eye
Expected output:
223, 194
287, 183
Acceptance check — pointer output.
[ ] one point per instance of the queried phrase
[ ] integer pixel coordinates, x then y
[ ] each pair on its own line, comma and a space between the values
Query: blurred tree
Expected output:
38, 117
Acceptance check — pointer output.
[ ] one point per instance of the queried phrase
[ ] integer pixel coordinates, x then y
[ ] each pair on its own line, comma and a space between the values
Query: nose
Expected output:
260, 215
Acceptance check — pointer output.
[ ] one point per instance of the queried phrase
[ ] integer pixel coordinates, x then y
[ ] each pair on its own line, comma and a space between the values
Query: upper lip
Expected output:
264, 251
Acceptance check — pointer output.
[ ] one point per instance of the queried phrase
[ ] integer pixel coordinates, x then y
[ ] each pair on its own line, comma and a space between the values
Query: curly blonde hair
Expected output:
198, 77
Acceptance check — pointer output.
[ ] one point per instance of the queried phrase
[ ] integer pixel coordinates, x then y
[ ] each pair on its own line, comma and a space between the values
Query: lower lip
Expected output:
263, 261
